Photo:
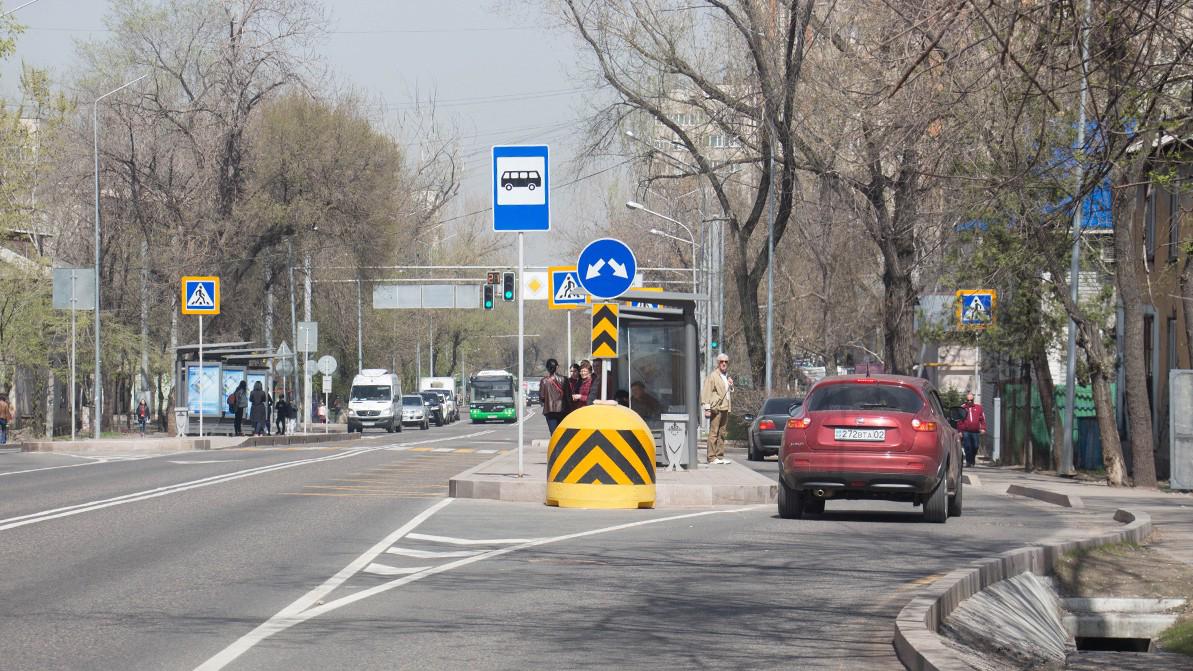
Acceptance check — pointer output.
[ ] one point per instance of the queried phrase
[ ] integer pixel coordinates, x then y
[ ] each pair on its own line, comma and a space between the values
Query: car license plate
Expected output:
873, 435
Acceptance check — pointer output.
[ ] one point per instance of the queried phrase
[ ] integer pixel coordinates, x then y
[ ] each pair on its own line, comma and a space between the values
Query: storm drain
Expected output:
1117, 625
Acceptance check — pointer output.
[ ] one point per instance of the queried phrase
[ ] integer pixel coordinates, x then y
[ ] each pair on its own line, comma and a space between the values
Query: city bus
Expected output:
491, 396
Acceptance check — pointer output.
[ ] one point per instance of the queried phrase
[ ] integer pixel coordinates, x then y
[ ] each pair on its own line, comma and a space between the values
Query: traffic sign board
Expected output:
604, 331
521, 188
607, 268
327, 364
975, 308
564, 291
200, 295
534, 285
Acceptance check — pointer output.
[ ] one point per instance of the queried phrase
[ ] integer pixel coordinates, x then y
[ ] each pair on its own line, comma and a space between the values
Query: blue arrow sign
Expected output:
521, 188
606, 268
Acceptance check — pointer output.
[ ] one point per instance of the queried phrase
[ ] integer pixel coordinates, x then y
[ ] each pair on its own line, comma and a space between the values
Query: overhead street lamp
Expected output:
96, 400
691, 238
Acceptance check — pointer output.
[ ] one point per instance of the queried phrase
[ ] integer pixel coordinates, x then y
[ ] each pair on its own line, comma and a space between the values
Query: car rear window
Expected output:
851, 396
778, 406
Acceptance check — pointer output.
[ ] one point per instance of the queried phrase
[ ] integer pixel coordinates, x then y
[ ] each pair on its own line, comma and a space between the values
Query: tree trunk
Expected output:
1139, 412
898, 300
1047, 389
50, 384
751, 322
1112, 450
143, 378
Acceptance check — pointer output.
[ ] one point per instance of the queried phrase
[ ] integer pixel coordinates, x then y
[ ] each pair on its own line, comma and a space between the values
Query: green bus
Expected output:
492, 396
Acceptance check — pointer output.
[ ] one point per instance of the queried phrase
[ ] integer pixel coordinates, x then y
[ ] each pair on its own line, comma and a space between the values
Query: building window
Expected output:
1174, 223
1149, 224
716, 140
1171, 343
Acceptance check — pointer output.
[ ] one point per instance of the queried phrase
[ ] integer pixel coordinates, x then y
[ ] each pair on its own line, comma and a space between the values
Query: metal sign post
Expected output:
521, 202
74, 290
200, 296
73, 358
200, 374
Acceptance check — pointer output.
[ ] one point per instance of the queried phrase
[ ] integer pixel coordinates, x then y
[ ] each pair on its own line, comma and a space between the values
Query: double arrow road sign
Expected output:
604, 331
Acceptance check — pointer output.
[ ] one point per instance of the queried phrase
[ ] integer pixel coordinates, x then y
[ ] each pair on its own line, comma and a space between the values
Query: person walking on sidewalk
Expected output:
6, 416
971, 426
553, 395
716, 399
281, 411
240, 402
257, 415
142, 415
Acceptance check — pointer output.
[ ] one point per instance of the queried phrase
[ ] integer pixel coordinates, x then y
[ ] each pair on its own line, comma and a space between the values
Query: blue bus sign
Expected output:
521, 188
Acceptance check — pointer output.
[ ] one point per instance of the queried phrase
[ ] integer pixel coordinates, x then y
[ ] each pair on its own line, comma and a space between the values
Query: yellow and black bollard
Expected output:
601, 456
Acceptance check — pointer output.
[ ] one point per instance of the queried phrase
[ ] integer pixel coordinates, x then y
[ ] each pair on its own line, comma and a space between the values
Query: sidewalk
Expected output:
1172, 513
165, 444
729, 484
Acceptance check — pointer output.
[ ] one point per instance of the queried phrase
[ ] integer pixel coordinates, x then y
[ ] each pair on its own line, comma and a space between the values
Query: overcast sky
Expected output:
499, 77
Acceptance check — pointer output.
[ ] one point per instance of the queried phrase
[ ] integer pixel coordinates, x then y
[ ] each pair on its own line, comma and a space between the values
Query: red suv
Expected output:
871, 437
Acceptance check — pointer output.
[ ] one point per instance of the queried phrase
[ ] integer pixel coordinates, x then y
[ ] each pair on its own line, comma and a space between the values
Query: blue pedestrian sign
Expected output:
606, 268
521, 188
975, 308
566, 292
200, 295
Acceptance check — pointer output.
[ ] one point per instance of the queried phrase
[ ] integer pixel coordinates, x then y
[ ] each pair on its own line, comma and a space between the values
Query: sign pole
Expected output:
521, 351
73, 359
306, 382
200, 376
569, 340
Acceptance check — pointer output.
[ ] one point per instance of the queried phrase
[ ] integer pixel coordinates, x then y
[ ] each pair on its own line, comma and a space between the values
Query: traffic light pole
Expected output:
521, 414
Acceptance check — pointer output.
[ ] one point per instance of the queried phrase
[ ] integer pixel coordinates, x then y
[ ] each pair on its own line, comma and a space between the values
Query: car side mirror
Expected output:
749, 418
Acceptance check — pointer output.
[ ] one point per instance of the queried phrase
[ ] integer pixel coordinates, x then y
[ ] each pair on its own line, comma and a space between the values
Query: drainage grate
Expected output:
1105, 644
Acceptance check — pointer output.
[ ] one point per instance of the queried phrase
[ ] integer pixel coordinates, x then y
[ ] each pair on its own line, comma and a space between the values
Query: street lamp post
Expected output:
96, 400
691, 238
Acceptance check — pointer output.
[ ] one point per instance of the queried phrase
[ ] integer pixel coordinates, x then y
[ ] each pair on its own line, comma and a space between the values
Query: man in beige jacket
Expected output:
716, 400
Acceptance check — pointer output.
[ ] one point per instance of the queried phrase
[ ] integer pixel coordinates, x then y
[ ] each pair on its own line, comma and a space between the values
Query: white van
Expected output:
375, 401
447, 387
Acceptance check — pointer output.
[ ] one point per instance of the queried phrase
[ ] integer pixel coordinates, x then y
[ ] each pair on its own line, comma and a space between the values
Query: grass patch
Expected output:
1178, 638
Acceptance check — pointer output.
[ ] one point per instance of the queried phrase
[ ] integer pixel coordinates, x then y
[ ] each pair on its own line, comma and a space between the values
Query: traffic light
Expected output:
487, 296
507, 282
715, 343
493, 277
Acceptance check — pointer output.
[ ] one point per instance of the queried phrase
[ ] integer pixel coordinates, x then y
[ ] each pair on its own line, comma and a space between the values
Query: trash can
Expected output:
601, 456
673, 451
182, 422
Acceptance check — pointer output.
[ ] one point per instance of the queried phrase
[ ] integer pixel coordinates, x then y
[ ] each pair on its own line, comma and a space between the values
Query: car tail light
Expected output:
766, 425
919, 425
866, 381
799, 422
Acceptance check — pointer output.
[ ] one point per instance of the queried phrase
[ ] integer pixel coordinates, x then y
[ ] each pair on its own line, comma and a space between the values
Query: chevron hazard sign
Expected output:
604, 331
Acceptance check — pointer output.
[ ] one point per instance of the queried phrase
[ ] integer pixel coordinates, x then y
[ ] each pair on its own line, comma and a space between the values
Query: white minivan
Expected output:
375, 401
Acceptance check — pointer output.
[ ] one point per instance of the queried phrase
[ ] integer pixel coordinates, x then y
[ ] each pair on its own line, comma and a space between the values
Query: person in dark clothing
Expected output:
553, 389
257, 414
971, 426
240, 402
281, 411
142, 415
582, 392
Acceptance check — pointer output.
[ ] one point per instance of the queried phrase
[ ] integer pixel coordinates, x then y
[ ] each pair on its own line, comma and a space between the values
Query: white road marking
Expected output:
94, 461
382, 569
444, 449
432, 554
469, 541
486, 451
305, 607
202, 461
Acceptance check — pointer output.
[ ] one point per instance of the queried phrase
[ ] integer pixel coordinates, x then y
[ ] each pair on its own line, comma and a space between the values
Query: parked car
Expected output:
414, 412
434, 407
766, 429
871, 437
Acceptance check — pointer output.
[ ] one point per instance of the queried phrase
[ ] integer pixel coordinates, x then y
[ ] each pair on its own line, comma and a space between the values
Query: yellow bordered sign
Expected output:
604, 330
975, 308
201, 295
564, 291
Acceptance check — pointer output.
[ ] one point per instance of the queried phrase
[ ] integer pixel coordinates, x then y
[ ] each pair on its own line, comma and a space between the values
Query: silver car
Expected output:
414, 412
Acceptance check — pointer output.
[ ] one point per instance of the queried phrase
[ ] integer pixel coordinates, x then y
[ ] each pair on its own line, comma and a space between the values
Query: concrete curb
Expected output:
917, 643
971, 479
147, 446
297, 439
1063, 500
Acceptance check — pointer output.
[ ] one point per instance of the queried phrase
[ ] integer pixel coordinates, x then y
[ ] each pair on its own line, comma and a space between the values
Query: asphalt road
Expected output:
352, 557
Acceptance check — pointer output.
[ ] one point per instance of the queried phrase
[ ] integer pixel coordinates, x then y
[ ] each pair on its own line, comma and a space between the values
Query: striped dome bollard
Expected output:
601, 456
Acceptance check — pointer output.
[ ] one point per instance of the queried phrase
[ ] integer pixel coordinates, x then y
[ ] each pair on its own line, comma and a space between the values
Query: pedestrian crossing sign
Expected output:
975, 308
200, 295
565, 293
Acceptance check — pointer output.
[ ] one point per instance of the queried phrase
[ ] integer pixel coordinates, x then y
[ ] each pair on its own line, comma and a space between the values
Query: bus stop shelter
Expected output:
225, 365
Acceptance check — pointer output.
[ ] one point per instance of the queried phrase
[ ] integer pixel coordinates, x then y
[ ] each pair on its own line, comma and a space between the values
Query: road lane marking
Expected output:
469, 541
382, 569
443, 449
202, 461
486, 451
309, 605
432, 554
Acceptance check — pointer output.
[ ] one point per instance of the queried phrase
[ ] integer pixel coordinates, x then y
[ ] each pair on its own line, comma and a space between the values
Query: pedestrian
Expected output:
337, 410
716, 399
6, 415
971, 426
257, 414
643, 403
281, 411
553, 395
322, 413
240, 401
582, 387
142, 415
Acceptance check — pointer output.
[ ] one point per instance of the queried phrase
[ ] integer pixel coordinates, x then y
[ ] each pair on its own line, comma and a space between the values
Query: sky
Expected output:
499, 71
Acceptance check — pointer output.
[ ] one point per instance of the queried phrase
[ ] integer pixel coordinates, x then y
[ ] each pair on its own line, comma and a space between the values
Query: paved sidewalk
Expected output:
728, 484
1172, 513
165, 444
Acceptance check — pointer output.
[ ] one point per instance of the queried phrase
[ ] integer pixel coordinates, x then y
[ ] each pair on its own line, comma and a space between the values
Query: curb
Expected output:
302, 439
1063, 500
917, 643
156, 446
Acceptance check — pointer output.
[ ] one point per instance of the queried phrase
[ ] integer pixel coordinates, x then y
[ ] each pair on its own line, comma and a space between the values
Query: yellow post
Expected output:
601, 456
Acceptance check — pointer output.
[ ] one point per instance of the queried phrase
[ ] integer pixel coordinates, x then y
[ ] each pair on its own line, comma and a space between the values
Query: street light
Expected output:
691, 238
96, 401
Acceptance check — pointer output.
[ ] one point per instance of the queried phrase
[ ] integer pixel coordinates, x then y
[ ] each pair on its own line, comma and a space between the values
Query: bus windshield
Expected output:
493, 389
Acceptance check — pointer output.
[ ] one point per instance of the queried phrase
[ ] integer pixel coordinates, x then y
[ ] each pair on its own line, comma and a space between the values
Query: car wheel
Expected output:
752, 454
389, 428
426, 425
791, 502
936, 507
955, 499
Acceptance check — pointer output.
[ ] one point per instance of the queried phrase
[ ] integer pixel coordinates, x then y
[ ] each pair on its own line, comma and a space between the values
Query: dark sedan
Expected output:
766, 429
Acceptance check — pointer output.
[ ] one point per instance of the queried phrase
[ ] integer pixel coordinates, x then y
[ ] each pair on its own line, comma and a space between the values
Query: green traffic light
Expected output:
509, 295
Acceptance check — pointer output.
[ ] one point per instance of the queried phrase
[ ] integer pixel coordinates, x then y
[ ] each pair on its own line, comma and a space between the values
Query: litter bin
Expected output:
674, 446
182, 422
